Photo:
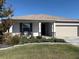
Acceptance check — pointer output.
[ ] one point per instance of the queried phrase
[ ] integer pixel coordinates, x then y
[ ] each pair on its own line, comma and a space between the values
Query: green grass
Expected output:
56, 51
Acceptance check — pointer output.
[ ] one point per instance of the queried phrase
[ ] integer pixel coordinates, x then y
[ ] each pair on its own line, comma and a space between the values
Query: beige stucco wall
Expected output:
35, 29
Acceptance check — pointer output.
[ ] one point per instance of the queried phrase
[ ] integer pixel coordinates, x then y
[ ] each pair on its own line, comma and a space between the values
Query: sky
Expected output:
65, 8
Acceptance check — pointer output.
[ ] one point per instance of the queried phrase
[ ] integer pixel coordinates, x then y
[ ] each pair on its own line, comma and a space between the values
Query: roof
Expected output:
43, 17
37, 17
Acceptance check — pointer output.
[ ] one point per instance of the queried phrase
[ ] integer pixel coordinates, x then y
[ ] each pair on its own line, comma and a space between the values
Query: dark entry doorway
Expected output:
43, 29
46, 29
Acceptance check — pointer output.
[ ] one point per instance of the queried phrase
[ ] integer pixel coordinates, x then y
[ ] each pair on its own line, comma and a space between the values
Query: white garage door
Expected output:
66, 31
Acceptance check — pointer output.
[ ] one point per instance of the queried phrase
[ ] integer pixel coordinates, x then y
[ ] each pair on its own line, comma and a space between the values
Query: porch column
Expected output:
39, 29
53, 29
36, 29
11, 29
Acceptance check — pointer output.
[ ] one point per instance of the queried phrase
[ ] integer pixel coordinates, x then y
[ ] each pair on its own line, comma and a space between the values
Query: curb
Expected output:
31, 44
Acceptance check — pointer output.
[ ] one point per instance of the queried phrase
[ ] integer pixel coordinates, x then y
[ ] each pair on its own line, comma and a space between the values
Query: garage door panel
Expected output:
66, 31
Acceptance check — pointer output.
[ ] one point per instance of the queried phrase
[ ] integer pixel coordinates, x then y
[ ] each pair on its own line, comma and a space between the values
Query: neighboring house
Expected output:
45, 25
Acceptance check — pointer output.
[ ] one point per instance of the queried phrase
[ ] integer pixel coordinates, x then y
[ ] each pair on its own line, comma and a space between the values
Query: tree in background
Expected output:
5, 17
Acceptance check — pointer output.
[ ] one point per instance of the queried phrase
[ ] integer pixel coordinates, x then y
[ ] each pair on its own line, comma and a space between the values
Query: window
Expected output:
25, 27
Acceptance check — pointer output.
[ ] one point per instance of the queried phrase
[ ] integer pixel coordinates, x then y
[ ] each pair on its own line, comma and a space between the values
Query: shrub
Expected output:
7, 37
1, 39
59, 40
32, 39
43, 40
10, 40
50, 40
15, 40
23, 40
39, 37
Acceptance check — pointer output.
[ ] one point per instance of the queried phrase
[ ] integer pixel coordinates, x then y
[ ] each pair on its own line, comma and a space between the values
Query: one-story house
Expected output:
45, 25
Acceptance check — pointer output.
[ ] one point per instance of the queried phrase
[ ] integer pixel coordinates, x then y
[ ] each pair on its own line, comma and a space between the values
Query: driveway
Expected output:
74, 41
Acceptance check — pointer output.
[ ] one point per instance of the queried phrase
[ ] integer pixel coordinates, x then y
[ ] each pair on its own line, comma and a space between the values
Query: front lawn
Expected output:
43, 51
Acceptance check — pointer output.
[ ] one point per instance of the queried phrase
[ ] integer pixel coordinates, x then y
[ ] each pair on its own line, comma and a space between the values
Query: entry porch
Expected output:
35, 28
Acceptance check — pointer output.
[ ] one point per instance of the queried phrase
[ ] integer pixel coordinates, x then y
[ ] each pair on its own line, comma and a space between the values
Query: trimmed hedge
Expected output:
14, 40
39, 39
59, 40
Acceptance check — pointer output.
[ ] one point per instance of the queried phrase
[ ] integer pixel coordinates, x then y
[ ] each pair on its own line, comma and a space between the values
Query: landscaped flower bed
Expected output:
14, 40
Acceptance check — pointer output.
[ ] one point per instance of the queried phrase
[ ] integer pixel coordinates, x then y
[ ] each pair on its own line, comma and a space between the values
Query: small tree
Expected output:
5, 16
